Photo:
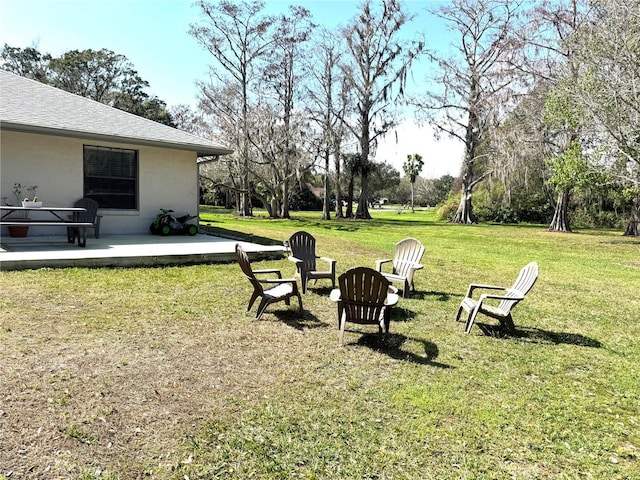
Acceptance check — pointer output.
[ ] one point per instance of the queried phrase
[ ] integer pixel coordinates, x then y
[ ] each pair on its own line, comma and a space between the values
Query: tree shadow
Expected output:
538, 335
392, 346
293, 318
400, 314
321, 290
439, 296
237, 235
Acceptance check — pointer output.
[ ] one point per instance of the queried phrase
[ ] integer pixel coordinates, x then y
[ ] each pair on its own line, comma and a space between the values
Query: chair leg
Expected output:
343, 320
264, 303
299, 302
472, 318
459, 312
254, 296
387, 319
507, 322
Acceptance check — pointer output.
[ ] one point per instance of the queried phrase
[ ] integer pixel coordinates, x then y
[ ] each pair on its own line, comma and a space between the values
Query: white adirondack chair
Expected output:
405, 263
507, 301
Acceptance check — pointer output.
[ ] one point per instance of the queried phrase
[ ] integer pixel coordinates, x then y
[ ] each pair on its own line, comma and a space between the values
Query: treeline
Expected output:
100, 75
541, 94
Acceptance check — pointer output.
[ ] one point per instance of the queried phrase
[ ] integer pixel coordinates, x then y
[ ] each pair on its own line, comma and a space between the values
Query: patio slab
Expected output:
125, 251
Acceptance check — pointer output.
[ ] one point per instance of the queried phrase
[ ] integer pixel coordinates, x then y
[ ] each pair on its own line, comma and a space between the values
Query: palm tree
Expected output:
412, 168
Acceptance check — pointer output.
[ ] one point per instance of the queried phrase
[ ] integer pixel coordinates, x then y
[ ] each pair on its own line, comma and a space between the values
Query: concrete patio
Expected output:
125, 251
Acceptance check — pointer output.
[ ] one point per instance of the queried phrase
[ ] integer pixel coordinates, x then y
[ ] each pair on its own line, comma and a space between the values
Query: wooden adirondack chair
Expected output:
405, 263
303, 254
283, 289
512, 296
364, 297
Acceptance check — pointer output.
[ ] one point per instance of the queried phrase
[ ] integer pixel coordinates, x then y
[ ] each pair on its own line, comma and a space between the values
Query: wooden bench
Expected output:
74, 229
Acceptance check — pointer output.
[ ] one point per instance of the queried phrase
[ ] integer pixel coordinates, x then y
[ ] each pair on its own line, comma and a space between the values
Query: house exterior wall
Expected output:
167, 178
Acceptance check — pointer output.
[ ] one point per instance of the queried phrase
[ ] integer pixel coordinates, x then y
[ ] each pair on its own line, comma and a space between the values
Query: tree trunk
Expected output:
338, 187
560, 222
284, 213
326, 207
363, 204
464, 214
412, 209
349, 213
228, 203
633, 228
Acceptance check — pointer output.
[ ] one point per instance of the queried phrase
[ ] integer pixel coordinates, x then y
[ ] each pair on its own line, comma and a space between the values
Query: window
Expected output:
111, 176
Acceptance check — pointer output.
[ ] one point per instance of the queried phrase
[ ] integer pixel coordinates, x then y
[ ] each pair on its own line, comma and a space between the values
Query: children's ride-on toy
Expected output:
166, 224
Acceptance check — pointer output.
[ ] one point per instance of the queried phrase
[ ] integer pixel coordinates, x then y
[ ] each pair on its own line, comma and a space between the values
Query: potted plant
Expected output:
21, 199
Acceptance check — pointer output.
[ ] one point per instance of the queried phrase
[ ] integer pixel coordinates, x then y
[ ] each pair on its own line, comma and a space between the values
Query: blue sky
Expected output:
152, 34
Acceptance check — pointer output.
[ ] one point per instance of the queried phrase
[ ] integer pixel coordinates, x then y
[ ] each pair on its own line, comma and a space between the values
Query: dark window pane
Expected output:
111, 176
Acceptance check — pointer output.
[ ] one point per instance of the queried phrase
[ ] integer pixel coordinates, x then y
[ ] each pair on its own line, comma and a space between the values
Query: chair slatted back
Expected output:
362, 295
408, 252
92, 210
245, 265
525, 281
303, 247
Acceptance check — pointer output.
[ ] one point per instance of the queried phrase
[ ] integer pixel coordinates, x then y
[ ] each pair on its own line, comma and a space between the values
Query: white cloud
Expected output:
441, 157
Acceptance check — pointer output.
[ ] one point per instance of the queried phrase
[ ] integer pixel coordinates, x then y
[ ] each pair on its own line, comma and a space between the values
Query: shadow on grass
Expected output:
439, 296
393, 347
321, 291
237, 235
292, 318
538, 335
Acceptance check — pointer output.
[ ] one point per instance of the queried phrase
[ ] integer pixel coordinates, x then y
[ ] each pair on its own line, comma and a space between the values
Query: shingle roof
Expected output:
30, 106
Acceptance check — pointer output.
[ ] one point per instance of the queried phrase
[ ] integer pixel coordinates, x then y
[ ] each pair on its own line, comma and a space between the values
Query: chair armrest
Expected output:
278, 280
335, 295
475, 286
488, 296
391, 300
293, 259
269, 270
331, 262
327, 259
379, 263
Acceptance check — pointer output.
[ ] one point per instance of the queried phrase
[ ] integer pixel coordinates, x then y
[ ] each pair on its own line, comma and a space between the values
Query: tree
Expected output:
283, 75
238, 37
554, 25
384, 177
101, 75
377, 63
26, 62
566, 167
412, 168
474, 87
432, 191
608, 94
327, 111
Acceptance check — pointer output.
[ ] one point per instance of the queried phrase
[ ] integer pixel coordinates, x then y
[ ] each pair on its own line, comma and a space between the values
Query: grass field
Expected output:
161, 373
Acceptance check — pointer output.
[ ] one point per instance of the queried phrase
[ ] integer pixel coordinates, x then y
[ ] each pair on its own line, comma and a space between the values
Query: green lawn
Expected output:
160, 373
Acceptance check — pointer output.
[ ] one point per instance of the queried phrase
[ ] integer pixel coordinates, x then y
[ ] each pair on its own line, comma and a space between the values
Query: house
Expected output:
73, 147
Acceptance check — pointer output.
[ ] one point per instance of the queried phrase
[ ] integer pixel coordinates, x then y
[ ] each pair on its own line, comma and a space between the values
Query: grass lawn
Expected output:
161, 373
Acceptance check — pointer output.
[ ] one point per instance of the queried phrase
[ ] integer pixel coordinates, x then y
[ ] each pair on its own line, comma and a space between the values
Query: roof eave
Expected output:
201, 150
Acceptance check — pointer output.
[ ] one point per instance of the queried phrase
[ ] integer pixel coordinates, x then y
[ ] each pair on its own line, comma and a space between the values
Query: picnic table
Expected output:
59, 216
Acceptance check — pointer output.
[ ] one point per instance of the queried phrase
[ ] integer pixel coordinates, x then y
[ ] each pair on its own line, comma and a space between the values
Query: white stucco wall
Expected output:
167, 178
